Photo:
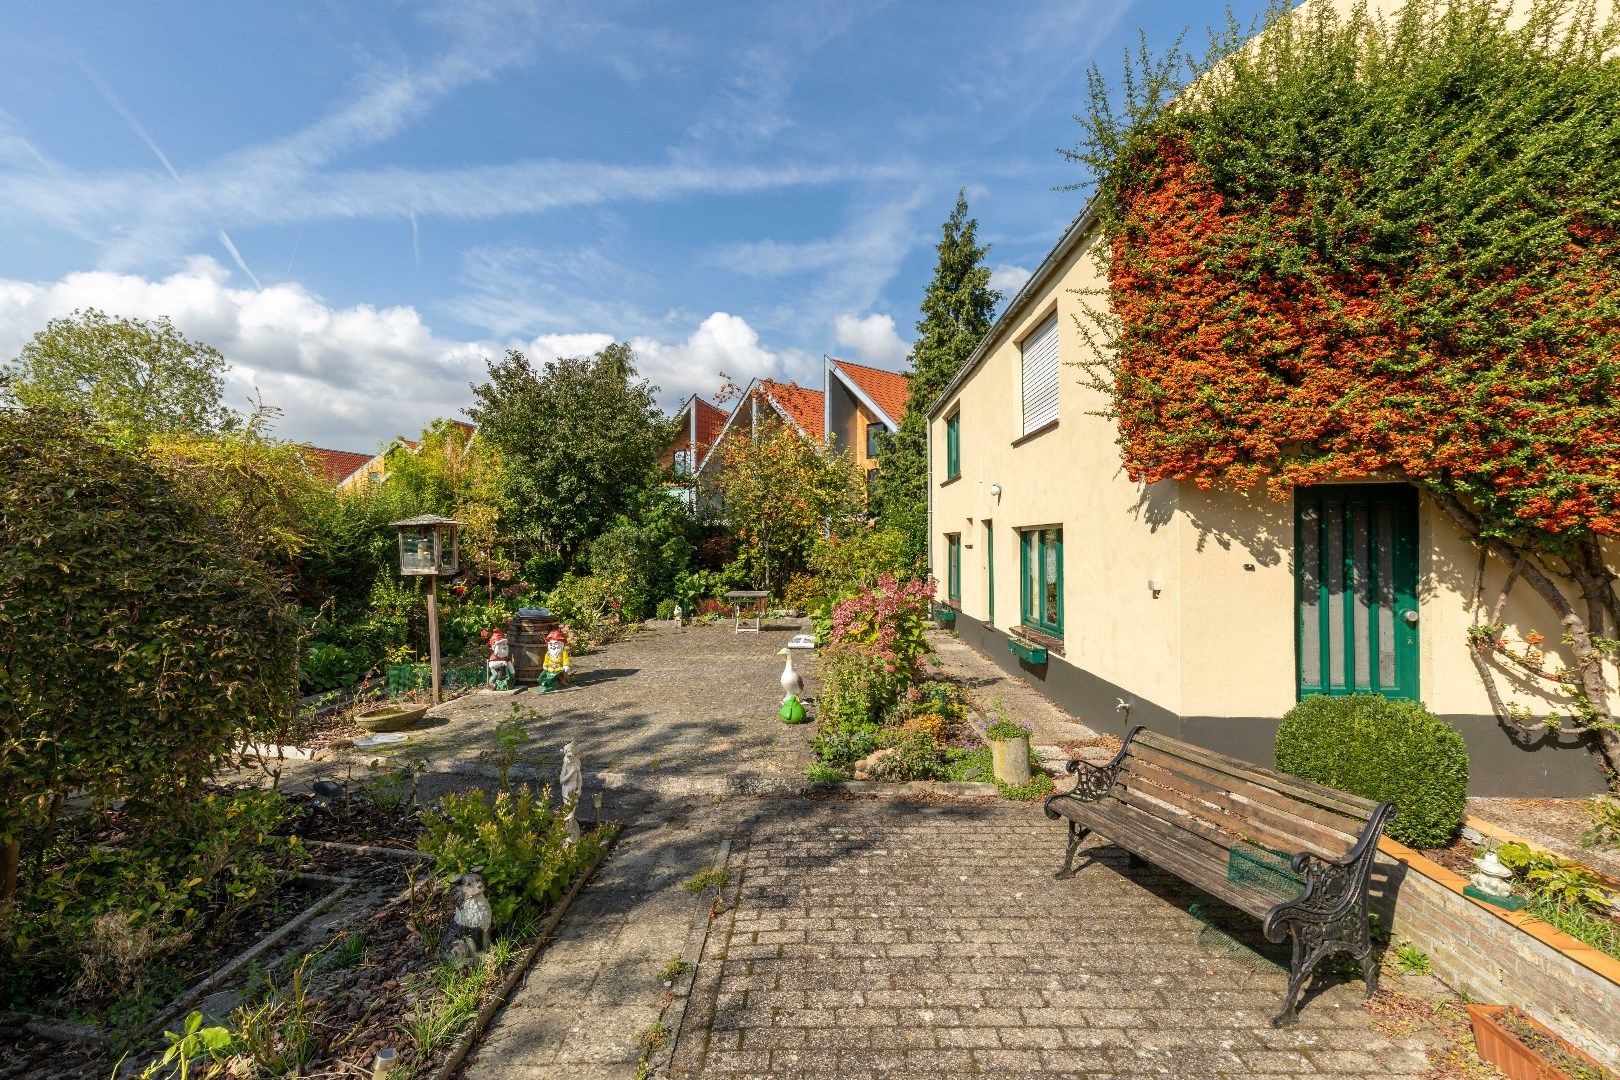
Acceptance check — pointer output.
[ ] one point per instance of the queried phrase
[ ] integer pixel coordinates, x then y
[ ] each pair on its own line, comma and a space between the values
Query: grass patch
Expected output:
968, 765
673, 969
1039, 787
1597, 930
822, 773
457, 994
715, 876
343, 954
974, 766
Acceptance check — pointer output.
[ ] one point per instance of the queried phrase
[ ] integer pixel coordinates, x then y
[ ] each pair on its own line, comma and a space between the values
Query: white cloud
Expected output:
722, 342
872, 339
547, 346
354, 377
1009, 279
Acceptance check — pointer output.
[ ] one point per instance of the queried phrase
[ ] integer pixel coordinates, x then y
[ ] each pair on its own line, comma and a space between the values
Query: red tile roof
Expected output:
805, 407
334, 465
887, 388
710, 419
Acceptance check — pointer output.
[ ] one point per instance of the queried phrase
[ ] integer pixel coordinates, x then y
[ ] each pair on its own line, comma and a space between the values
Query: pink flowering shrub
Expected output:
886, 622
874, 651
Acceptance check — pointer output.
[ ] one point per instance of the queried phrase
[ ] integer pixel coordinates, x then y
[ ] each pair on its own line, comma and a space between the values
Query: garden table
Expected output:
754, 600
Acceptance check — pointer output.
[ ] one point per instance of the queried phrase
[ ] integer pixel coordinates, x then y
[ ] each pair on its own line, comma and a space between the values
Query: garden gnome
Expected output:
555, 668
572, 783
500, 661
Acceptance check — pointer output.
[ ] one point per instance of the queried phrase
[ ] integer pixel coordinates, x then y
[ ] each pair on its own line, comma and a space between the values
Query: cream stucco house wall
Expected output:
1181, 608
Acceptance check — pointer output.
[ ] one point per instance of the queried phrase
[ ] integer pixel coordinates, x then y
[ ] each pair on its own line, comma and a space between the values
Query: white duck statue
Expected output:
792, 685
792, 710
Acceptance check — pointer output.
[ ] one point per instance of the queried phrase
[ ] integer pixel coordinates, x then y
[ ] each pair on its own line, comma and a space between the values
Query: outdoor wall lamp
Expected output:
995, 489
1155, 587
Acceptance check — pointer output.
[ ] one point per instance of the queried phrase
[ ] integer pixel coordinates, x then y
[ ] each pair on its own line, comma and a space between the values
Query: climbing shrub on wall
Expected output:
1356, 247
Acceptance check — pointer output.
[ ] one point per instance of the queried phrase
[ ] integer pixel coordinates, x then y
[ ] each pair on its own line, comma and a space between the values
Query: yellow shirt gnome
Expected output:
554, 670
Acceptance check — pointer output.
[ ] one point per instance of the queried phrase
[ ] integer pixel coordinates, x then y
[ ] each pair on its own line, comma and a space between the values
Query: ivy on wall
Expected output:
1361, 247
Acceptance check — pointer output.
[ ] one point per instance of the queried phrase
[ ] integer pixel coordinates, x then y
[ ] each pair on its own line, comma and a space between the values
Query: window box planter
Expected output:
1507, 1051
1027, 651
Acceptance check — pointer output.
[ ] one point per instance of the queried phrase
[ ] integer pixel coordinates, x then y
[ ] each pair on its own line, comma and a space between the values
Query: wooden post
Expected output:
433, 631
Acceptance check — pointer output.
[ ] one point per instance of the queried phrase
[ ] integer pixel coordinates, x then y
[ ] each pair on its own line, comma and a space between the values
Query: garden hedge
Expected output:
1386, 750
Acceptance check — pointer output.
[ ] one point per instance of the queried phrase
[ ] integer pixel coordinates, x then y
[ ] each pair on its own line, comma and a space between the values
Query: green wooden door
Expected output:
1355, 574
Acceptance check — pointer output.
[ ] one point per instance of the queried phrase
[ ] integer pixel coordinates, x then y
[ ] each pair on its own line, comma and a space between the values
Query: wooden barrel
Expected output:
528, 640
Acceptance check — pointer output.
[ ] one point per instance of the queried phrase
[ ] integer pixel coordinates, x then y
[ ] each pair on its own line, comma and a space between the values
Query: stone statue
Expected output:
471, 919
572, 784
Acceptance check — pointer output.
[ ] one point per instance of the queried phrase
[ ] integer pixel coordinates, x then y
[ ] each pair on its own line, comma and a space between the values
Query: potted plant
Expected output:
1009, 751
1525, 1050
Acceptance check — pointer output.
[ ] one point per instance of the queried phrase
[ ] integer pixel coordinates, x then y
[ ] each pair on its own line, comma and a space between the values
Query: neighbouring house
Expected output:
334, 466
698, 425
863, 405
1204, 614
764, 402
374, 468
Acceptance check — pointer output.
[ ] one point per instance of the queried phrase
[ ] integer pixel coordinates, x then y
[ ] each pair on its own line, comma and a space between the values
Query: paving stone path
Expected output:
877, 938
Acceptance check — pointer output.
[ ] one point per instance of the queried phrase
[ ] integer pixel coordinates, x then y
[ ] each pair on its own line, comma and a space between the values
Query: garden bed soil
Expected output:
1457, 856
356, 821
1553, 824
326, 730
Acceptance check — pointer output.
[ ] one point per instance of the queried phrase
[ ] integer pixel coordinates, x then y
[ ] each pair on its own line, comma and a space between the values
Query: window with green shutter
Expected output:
1355, 574
953, 567
1041, 590
953, 445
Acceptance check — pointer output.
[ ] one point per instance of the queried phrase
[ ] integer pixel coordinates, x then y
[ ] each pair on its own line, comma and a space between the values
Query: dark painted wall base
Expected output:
1498, 764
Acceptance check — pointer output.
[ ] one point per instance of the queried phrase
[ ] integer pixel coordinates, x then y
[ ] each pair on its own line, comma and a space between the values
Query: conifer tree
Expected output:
957, 311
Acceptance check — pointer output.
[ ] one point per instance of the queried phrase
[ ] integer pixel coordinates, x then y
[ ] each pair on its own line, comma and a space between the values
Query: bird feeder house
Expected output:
427, 545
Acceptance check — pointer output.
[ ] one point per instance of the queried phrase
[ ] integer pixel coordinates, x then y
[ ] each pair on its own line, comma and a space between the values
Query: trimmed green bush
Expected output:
1386, 750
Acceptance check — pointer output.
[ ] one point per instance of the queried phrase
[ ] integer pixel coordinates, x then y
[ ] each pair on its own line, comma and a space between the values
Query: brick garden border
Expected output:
1498, 956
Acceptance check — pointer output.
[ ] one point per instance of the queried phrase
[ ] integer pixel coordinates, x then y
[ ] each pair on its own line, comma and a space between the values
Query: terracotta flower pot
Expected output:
1009, 760
1502, 1048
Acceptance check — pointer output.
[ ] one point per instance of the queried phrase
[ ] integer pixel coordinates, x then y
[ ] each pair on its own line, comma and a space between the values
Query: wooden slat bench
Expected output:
1226, 825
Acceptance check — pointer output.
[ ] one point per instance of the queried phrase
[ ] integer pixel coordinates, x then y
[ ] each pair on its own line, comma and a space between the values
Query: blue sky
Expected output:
357, 203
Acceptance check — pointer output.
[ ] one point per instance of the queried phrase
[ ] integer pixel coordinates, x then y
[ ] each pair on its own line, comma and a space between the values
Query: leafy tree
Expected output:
140, 642
1387, 248
579, 439
780, 491
957, 311
136, 376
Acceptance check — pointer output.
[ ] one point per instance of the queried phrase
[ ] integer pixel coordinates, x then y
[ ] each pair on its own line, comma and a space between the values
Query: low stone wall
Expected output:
1499, 957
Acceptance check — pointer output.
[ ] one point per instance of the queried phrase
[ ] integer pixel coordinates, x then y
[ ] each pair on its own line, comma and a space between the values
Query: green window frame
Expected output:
990, 573
953, 445
1355, 577
1041, 579
953, 567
